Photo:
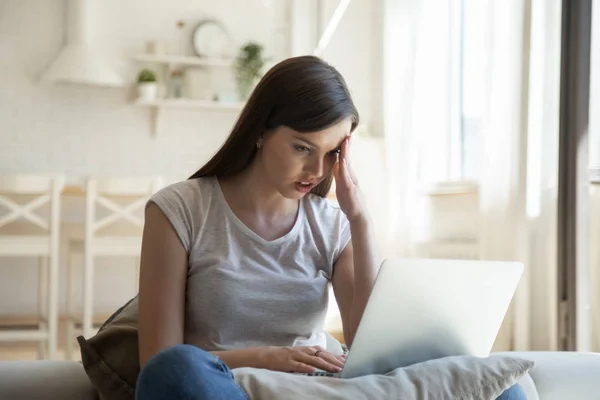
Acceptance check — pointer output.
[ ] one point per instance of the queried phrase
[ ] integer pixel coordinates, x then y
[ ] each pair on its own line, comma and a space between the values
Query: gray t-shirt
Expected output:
243, 290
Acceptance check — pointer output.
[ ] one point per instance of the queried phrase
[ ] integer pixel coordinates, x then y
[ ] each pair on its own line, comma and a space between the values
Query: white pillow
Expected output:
458, 377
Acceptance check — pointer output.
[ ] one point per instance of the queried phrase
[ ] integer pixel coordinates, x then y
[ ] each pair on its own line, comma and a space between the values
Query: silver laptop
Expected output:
423, 309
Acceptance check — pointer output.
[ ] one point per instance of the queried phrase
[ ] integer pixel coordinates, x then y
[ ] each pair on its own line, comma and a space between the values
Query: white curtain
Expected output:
542, 172
517, 186
595, 189
502, 183
416, 111
400, 34
519, 180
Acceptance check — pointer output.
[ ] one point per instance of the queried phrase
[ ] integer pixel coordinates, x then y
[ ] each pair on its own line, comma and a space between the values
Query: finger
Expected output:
301, 367
348, 153
339, 165
352, 175
330, 358
345, 174
322, 353
349, 161
312, 349
308, 356
350, 172
326, 355
344, 150
317, 362
336, 172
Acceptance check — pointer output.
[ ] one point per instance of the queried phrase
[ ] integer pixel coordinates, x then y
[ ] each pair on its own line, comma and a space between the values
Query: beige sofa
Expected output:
556, 375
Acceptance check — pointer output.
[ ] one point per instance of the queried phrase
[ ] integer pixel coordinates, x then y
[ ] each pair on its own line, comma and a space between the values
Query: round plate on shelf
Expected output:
210, 39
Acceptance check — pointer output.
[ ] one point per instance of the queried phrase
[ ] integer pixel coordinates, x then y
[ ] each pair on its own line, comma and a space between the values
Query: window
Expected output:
472, 87
450, 90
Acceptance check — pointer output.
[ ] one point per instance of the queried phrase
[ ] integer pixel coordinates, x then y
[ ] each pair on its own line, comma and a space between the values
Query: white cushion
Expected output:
459, 377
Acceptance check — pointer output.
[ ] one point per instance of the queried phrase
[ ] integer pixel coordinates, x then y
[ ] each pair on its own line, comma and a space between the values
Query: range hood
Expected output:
80, 61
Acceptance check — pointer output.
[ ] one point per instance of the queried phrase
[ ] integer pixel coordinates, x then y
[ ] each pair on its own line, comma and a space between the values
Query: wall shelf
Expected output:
189, 61
171, 62
158, 105
190, 103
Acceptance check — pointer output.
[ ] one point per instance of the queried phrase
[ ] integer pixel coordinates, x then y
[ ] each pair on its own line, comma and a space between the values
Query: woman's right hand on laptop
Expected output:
300, 359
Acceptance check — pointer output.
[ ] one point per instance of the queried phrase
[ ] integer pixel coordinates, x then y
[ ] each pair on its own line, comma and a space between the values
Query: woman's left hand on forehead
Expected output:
348, 193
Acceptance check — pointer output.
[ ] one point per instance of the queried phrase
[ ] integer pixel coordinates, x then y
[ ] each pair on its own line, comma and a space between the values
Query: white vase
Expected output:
147, 91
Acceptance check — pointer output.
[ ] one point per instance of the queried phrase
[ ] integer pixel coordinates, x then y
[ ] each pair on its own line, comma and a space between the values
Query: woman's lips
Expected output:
304, 187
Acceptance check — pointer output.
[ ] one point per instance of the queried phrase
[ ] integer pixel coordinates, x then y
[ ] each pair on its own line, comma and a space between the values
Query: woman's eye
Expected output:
301, 148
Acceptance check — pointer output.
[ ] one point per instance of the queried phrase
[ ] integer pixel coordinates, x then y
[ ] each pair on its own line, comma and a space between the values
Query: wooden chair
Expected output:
121, 198
38, 237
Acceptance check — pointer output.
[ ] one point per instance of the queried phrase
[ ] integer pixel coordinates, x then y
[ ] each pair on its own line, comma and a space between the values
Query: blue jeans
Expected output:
187, 372
514, 392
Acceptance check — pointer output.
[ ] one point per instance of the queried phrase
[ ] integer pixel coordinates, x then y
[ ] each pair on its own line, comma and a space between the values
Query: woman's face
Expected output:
294, 163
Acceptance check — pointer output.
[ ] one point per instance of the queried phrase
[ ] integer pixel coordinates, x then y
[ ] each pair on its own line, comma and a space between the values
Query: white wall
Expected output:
356, 51
84, 130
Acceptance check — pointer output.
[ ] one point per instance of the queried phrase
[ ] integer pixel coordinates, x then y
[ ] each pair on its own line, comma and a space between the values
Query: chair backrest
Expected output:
34, 191
121, 199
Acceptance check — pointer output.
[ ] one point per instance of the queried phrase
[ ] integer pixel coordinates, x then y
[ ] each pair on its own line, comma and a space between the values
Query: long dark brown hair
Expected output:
303, 93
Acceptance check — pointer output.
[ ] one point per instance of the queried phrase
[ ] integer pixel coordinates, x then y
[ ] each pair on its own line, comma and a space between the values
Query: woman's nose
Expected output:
315, 168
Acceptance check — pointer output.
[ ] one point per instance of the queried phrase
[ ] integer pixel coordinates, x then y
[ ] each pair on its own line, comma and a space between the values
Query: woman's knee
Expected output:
164, 369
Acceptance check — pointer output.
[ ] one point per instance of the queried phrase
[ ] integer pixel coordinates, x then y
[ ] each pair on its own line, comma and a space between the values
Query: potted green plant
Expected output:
249, 64
146, 85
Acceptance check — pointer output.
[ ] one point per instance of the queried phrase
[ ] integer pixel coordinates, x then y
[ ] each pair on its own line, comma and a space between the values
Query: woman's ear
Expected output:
267, 134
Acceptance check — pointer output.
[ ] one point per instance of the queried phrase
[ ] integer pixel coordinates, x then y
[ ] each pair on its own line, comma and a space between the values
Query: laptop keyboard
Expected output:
319, 373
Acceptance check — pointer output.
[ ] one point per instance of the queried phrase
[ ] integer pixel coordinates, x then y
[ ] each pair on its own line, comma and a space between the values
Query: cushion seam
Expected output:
102, 368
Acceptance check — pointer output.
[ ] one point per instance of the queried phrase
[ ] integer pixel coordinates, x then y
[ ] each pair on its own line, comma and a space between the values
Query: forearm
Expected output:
249, 357
366, 266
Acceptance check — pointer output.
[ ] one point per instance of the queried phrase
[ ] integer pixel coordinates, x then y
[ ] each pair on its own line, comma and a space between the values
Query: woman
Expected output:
236, 260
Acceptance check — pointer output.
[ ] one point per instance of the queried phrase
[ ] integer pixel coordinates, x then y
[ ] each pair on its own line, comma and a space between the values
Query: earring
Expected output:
258, 143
